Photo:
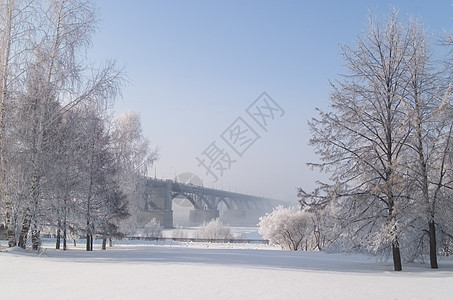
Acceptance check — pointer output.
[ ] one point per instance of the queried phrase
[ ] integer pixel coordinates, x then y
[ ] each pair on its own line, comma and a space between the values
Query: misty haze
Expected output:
237, 149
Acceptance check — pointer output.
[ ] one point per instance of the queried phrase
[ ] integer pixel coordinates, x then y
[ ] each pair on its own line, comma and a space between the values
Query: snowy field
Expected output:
138, 270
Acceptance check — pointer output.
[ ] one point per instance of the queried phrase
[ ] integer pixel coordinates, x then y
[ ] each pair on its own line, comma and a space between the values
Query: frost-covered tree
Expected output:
133, 157
430, 120
387, 143
97, 173
288, 227
362, 140
130, 147
114, 210
15, 36
65, 28
6, 9
44, 79
65, 176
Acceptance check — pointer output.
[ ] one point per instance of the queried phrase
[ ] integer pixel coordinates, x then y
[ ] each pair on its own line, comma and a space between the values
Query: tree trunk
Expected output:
110, 242
104, 243
89, 244
65, 236
35, 238
88, 212
29, 216
25, 228
65, 225
57, 245
396, 255
35, 233
432, 245
65, 246
11, 234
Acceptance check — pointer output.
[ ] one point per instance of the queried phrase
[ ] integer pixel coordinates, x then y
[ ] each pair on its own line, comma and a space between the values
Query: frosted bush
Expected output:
215, 230
286, 227
153, 229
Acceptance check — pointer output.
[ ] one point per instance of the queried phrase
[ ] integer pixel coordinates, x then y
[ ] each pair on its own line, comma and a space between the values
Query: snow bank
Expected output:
16, 250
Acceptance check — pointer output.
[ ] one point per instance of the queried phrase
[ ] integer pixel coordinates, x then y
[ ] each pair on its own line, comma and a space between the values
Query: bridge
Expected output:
207, 203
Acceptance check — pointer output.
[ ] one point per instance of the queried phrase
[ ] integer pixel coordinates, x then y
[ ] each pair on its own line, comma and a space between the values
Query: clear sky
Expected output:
194, 67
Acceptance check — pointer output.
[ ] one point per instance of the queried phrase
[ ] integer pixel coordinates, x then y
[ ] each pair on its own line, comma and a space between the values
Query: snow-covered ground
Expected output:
139, 270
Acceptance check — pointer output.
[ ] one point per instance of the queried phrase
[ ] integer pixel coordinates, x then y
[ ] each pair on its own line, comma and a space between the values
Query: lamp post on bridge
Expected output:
176, 177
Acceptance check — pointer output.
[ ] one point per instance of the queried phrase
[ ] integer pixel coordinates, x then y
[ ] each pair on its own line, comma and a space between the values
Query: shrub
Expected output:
215, 230
286, 227
153, 229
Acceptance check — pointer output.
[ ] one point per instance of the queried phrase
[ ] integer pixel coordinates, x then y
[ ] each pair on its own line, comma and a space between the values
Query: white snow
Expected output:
140, 270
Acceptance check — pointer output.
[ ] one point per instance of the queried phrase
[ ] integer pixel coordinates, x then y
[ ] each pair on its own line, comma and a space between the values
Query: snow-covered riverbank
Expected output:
212, 271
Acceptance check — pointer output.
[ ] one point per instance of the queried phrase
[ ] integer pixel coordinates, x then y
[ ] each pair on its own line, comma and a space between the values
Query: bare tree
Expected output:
362, 141
56, 83
61, 162
133, 158
15, 32
4, 60
429, 112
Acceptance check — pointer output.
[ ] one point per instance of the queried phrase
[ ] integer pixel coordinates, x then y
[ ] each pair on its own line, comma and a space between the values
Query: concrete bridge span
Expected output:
207, 203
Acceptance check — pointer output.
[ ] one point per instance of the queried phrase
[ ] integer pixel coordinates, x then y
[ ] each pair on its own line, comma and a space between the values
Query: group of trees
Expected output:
387, 143
65, 165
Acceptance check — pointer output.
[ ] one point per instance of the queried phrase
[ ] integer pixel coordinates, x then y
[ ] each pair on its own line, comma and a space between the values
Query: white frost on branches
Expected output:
153, 229
287, 227
214, 230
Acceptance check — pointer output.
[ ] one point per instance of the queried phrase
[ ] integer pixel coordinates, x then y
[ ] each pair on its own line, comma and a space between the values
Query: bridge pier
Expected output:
159, 202
199, 216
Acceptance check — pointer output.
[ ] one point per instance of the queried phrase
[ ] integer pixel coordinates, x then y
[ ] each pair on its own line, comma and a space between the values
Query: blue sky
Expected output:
195, 66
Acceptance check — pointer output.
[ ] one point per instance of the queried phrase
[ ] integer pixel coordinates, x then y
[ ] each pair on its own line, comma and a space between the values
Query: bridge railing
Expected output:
199, 240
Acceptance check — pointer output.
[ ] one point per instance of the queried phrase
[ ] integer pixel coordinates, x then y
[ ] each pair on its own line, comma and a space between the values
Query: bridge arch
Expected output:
186, 196
224, 201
